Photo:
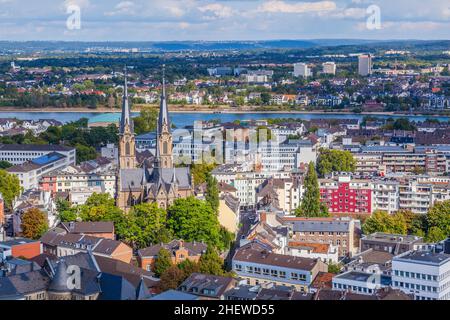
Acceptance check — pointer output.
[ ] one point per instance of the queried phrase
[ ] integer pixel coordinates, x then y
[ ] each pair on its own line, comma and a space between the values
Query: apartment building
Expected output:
285, 156
339, 232
75, 180
284, 194
257, 266
345, 195
245, 181
369, 164
426, 274
385, 195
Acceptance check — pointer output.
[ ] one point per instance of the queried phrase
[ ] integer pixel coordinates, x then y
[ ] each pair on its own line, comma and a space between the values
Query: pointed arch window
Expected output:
165, 147
127, 149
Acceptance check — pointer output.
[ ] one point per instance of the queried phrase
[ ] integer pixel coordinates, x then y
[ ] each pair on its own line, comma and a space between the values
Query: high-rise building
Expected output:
302, 70
365, 65
329, 68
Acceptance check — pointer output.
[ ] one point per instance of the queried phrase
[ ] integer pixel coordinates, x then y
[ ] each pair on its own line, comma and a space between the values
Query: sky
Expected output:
217, 20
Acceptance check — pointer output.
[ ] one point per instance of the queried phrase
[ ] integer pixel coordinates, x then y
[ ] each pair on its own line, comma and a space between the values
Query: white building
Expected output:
302, 70
360, 282
21, 153
323, 251
329, 68
422, 273
30, 173
385, 196
365, 65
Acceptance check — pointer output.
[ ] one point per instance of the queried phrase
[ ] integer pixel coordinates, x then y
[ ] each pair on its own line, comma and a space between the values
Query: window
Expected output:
165, 148
282, 274
294, 276
257, 270
127, 149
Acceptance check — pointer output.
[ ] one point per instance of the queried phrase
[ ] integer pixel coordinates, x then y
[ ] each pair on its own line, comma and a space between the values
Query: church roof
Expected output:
132, 179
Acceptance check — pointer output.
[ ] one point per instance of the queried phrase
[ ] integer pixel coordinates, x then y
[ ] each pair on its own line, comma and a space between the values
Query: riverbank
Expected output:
219, 110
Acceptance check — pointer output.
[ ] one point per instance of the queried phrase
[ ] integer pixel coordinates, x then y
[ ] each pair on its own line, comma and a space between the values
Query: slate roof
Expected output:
173, 295
89, 227
8, 291
135, 179
30, 282
197, 283
252, 254
34, 147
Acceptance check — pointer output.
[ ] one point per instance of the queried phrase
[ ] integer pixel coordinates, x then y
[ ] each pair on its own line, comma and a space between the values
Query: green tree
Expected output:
381, 221
9, 187
146, 121
146, 224
212, 192
101, 207
5, 164
335, 161
439, 216
201, 171
65, 211
34, 223
311, 205
163, 262
212, 263
85, 153
435, 234
334, 268
192, 219
171, 279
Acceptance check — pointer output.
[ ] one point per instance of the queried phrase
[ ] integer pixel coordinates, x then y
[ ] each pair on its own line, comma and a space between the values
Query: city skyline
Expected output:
186, 20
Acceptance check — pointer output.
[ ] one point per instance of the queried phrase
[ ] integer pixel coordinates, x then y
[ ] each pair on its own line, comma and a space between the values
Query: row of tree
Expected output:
189, 219
434, 226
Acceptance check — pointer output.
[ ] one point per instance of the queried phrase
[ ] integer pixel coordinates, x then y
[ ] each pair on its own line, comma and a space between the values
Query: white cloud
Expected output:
80, 3
217, 10
277, 6
122, 8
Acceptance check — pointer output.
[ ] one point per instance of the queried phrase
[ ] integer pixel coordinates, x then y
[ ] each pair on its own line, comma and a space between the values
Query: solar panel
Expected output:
49, 158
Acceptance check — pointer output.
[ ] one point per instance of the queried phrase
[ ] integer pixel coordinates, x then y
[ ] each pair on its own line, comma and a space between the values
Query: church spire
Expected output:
125, 120
127, 146
163, 110
164, 144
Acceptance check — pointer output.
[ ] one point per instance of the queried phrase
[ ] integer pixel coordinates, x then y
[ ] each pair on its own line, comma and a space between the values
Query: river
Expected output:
184, 119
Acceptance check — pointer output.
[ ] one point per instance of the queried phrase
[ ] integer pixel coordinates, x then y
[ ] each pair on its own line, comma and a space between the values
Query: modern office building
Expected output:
21, 153
426, 274
30, 173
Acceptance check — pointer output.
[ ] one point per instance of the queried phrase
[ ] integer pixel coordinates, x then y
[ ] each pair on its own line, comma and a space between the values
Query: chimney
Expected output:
263, 217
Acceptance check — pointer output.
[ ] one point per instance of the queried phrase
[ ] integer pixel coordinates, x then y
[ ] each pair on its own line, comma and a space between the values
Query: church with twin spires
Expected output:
162, 183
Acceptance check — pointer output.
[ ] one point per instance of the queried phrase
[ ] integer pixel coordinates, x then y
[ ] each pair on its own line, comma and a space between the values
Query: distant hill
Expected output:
32, 46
